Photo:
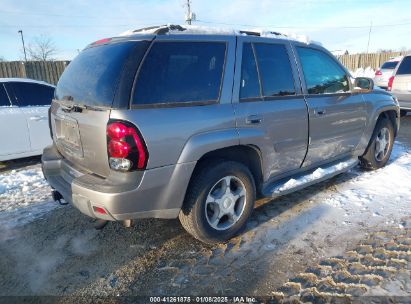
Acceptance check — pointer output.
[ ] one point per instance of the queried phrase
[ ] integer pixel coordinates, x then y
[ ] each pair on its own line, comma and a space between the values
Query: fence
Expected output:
48, 71
375, 60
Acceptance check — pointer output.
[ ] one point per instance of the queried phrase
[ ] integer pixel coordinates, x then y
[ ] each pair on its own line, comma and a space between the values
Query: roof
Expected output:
25, 80
203, 30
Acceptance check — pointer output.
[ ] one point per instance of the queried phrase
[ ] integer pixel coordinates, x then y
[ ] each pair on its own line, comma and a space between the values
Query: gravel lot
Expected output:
350, 236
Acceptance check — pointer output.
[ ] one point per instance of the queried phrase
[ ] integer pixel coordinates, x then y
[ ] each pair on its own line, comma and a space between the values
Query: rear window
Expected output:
31, 94
389, 65
4, 99
180, 72
405, 66
92, 77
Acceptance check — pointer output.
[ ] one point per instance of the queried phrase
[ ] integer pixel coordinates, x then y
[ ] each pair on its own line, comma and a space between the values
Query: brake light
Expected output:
390, 81
126, 148
378, 73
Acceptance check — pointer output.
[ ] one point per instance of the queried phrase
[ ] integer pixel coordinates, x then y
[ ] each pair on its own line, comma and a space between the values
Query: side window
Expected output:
178, 72
405, 66
4, 99
322, 74
32, 94
275, 70
249, 85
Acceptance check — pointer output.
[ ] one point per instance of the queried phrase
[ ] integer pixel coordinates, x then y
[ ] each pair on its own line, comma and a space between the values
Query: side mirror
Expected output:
364, 83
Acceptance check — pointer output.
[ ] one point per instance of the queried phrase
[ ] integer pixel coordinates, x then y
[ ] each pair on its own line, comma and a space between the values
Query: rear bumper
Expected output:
404, 99
157, 193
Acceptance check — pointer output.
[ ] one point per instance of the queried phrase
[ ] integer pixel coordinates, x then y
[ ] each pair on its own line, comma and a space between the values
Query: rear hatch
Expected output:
99, 79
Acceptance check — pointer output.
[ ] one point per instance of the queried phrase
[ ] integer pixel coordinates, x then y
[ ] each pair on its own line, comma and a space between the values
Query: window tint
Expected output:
176, 72
249, 85
275, 70
405, 66
4, 99
32, 94
92, 77
322, 74
389, 65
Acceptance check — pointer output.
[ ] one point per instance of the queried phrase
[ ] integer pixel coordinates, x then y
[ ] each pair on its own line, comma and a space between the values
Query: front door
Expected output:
337, 117
270, 110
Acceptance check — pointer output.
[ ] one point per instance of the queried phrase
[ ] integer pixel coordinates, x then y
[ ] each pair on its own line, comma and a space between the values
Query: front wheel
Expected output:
219, 200
379, 149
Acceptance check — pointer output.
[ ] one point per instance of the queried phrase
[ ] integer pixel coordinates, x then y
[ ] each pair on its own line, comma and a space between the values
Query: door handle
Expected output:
253, 119
38, 118
320, 111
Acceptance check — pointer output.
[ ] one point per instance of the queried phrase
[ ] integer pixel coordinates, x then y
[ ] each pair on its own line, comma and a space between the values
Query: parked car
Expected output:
400, 84
24, 129
185, 123
383, 74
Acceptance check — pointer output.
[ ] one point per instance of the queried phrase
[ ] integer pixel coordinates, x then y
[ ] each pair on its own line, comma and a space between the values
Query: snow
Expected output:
317, 174
196, 29
361, 72
20, 188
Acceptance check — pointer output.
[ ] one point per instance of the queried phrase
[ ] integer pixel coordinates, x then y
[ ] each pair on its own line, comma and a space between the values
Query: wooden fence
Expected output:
374, 60
48, 71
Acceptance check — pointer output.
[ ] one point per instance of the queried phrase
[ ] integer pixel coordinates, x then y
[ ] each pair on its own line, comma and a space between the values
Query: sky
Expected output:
337, 24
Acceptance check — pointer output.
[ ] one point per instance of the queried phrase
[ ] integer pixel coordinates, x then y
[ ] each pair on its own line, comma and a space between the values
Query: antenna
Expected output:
190, 16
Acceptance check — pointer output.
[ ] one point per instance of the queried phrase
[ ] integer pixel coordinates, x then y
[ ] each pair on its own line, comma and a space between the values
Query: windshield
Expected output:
92, 77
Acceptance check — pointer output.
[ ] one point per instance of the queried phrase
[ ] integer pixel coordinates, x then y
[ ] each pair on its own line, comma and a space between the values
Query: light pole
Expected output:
24, 48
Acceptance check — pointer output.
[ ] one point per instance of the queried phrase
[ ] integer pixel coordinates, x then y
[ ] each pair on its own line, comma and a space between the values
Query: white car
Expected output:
383, 74
24, 127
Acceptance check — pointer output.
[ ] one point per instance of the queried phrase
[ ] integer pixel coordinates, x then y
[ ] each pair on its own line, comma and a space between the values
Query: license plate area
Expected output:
68, 135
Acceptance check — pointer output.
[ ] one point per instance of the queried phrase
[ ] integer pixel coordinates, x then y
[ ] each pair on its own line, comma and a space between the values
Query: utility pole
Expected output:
190, 16
369, 37
24, 48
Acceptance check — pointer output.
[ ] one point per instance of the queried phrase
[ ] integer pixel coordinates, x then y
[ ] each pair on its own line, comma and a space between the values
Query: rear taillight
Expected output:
390, 81
378, 73
126, 148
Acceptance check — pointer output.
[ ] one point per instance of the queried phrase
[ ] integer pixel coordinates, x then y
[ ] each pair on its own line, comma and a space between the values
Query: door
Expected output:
270, 109
337, 117
14, 135
34, 100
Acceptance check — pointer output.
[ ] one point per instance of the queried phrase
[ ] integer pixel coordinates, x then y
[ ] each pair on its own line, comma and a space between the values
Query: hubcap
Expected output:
225, 203
382, 144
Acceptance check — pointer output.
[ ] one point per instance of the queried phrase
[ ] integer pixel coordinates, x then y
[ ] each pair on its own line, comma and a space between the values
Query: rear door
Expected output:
337, 116
34, 100
14, 133
269, 106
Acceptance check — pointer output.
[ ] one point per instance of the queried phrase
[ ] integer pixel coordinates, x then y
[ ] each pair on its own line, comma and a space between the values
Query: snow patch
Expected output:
317, 174
361, 72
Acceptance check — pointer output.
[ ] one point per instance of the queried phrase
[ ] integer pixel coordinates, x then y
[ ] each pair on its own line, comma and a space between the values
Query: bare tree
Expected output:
2, 59
42, 48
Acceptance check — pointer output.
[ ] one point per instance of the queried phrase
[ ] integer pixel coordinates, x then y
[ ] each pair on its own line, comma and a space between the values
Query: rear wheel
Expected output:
403, 113
219, 201
379, 149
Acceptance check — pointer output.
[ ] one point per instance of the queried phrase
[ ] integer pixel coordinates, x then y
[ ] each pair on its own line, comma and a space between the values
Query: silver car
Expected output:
175, 122
383, 74
400, 84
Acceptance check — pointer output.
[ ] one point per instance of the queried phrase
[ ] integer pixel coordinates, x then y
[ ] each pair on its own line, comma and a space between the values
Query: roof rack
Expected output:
167, 28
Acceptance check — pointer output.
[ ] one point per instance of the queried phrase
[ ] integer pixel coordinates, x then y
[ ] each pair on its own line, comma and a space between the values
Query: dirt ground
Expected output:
342, 239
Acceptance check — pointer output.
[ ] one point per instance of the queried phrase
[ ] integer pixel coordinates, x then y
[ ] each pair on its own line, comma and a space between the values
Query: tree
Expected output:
42, 48
2, 59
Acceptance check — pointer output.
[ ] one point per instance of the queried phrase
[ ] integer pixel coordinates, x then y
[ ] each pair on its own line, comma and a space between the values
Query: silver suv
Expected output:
173, 122
400, 84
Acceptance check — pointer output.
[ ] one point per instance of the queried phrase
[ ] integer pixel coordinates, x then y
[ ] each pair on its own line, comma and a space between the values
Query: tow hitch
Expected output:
57, 197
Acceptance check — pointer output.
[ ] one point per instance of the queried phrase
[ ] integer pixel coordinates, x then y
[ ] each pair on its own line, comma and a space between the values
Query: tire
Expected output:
208, 198
403, 113
375, 156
